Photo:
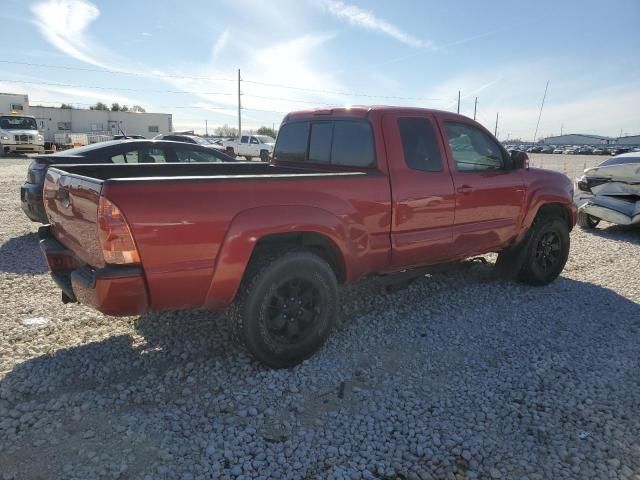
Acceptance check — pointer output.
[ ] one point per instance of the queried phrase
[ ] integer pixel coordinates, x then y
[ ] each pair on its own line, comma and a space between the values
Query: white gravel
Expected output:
460, 376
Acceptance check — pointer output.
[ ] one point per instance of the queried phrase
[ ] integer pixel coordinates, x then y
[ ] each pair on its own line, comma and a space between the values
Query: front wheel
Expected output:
264, 156
547, 252
586, 221
231, 152
285, 307
248, 158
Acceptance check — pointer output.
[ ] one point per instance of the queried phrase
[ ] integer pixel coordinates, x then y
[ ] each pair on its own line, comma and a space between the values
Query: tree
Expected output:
267, 131
66, 106
124, 108
115, 107
99, 106
138, 109
226, 131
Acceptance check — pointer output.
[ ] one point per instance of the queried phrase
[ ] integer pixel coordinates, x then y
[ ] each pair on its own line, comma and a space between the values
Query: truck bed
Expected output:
181, 216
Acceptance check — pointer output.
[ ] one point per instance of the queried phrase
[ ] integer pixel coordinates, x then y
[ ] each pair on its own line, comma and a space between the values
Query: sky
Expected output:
183, 58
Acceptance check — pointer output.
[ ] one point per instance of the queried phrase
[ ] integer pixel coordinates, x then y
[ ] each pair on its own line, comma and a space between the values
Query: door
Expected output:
254, 147
243, 145
423, 196
489, 195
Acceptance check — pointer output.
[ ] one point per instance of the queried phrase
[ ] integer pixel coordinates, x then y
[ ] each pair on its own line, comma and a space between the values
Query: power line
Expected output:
113, 88
117, 72
333, 92
215, 79
95, 87
185, 107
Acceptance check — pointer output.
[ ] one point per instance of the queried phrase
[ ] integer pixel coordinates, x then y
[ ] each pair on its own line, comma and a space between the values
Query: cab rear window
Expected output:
337, 142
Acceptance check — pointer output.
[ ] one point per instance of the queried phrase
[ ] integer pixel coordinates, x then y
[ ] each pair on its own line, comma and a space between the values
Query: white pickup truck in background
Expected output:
250, 146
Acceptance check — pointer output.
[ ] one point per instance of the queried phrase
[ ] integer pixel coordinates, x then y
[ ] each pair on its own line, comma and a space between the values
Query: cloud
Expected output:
362, 18
63, 23
220, 44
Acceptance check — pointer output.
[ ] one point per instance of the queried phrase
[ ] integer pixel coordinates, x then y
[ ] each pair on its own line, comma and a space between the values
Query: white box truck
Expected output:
18, 130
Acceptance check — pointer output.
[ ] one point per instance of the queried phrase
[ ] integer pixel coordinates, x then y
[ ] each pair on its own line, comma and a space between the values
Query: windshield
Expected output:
200, 140
18, 123
265, 139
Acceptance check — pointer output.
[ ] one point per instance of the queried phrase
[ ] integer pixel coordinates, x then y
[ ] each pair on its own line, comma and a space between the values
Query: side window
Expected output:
186, 154
352, 144
320, 142
120, 158
420, 144
291, 145
244, 139
157, 154
141, 155
254, 140
472, 149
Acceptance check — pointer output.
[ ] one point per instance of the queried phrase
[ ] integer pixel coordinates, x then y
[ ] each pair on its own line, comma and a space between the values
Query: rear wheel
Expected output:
586, 221
285, 308
547, 251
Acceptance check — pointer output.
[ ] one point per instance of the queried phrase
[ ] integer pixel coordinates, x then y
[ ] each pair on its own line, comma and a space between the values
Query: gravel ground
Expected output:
459, 376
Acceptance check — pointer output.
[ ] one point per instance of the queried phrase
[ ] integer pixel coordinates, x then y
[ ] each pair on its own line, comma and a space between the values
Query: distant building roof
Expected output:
588, 135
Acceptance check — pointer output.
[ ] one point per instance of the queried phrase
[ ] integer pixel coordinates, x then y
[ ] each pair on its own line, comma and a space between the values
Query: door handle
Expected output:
465, 189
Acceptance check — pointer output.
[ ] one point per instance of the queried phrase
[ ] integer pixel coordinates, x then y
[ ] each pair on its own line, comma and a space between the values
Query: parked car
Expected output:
187, 138
599, 151
129, 137
547, 149
610, 192
349, 193
116, 151
559, 150
250, 146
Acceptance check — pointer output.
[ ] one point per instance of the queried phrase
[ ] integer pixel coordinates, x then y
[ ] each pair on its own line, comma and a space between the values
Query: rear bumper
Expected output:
112, 290
32, 203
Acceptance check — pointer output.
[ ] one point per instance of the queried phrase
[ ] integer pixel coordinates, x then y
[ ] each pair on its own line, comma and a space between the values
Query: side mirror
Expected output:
519, 160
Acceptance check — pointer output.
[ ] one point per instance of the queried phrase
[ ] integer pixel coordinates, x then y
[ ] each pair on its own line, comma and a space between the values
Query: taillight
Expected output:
115, 236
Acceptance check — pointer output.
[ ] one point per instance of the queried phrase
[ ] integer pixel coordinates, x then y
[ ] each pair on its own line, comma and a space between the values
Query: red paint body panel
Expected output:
196, 235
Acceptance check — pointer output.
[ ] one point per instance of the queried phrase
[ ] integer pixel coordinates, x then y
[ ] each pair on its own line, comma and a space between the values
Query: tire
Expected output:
264, 156
546, 252
230, 152
586, 221
247, 158
260, 318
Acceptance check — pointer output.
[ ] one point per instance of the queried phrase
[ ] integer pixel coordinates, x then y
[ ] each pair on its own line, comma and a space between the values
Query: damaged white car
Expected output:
610, 192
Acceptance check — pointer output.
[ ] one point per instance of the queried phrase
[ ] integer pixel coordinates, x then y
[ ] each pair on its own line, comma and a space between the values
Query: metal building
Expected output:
52, 120
577, 139
629, 140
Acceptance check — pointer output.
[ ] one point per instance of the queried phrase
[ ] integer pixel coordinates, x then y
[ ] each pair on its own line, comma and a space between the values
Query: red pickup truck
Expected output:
350, 192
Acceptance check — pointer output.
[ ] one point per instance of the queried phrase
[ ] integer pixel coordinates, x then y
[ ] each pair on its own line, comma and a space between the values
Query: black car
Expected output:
115, 151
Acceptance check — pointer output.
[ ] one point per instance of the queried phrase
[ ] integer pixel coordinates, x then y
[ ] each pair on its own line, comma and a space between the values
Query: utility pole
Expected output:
495, 132
239, 107
206, 128
475, 107
458, 101
561, 128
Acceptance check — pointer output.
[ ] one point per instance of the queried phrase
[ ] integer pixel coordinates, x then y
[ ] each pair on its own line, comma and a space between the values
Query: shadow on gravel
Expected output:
165, 369
620, 233
22, 255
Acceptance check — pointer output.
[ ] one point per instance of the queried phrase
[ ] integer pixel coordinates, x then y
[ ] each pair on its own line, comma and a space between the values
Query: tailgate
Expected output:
71, 202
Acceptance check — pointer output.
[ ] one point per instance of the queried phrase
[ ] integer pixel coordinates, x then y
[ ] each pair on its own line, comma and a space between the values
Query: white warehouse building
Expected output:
576, 139
54, 120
